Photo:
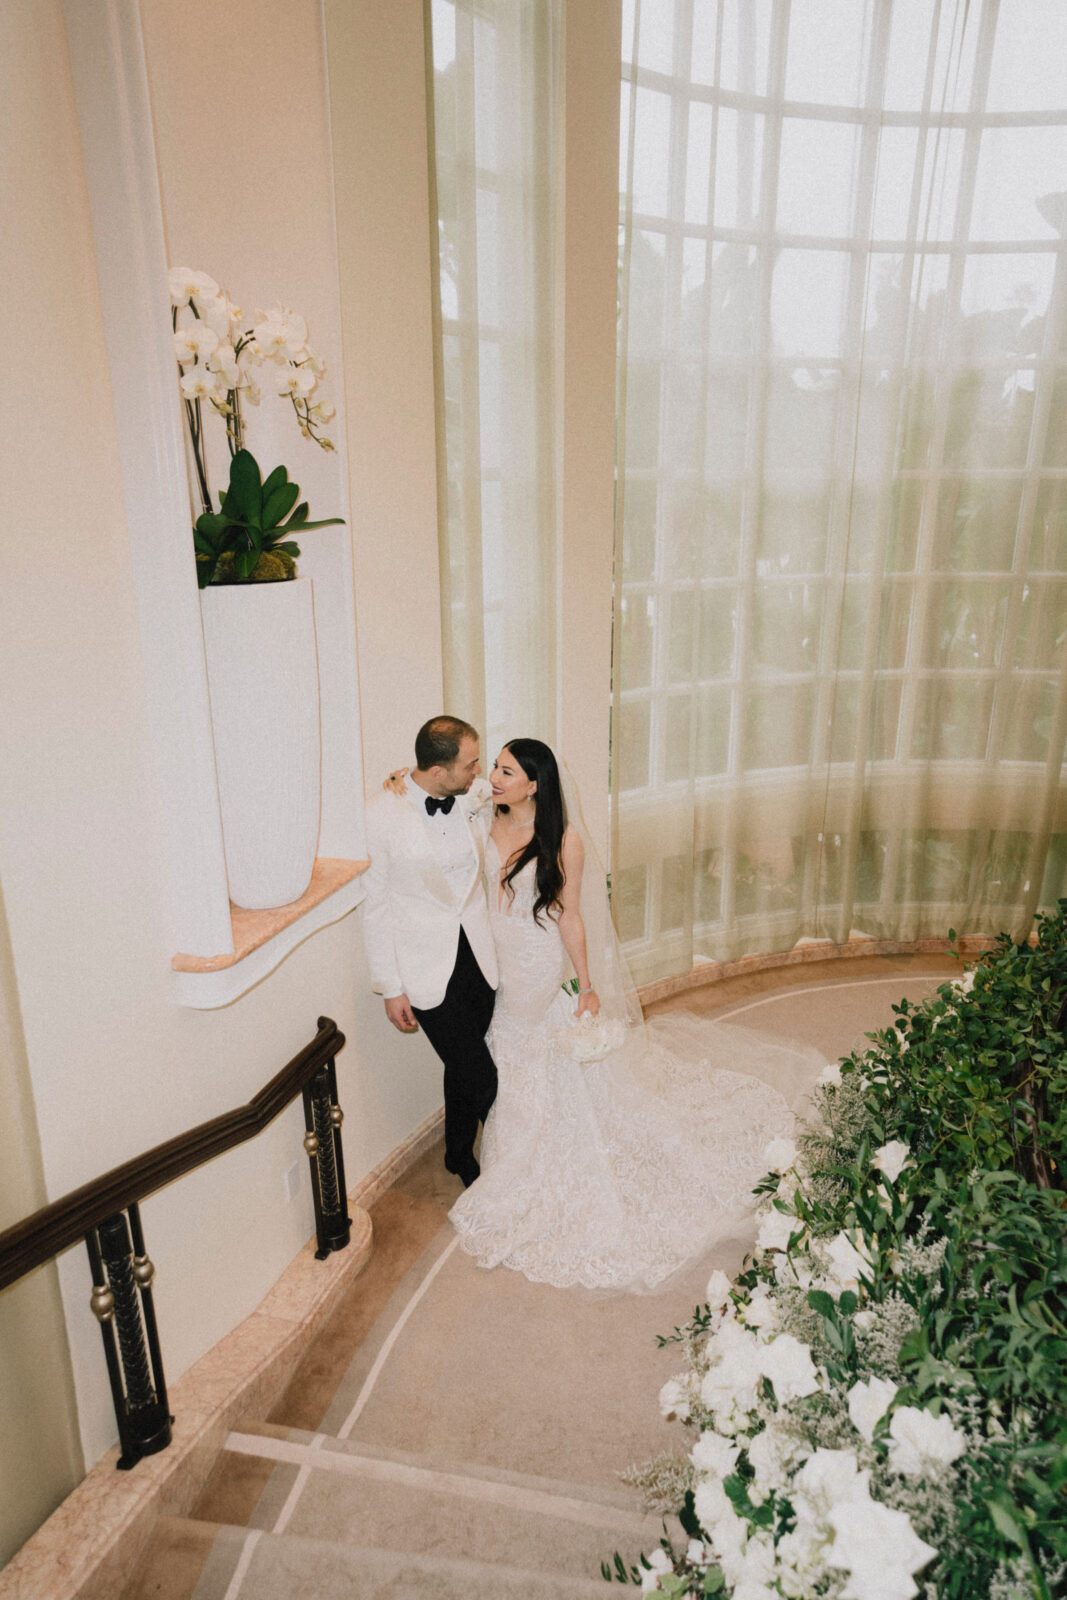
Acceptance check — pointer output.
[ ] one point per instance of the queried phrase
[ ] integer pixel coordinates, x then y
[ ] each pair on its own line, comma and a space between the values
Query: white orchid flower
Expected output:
195, 342
186, 285
222, 315
199, 384
223, 361
321, 412
296, 381
282, 335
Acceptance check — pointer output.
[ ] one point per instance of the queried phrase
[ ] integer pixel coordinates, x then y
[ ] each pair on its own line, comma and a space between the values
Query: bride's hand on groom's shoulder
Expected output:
396, 781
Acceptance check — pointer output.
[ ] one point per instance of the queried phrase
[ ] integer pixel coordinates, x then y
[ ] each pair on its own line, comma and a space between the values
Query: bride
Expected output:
617, 1151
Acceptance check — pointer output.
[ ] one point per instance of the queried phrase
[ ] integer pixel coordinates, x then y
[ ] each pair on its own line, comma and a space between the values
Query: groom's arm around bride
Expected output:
426, 923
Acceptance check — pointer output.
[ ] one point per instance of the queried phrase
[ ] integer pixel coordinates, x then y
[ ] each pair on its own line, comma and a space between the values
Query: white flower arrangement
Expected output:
222, 363
225, 364
787, 1506
591, 1038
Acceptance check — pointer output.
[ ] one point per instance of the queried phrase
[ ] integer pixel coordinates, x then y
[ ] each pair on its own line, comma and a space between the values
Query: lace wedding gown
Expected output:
613, 1173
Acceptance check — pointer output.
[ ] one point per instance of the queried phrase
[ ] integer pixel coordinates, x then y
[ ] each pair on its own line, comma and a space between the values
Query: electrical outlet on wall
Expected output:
293, 1179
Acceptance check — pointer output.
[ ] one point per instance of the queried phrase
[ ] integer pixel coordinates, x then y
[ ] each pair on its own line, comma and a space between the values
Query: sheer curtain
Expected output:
495, 85
841, 610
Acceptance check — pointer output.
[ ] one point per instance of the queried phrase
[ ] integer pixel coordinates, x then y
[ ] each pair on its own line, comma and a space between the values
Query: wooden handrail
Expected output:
37, 1238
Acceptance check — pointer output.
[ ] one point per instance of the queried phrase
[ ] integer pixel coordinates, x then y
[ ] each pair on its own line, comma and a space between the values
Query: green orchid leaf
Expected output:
278, 502
246, 489
273, 481
323, 522
212, 523
244, 562
299, 516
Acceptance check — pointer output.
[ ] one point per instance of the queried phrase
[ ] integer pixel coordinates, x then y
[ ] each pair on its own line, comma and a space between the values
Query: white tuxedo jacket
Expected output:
411, 919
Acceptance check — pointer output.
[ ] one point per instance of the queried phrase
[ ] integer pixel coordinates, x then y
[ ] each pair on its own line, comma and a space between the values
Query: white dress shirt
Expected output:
451, 840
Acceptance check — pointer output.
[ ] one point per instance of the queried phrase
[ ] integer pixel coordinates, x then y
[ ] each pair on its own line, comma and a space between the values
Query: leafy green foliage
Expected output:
250, 539
938, 1161
975, 1084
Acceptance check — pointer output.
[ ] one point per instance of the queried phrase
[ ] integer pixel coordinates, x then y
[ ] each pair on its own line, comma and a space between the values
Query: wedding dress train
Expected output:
612, 1173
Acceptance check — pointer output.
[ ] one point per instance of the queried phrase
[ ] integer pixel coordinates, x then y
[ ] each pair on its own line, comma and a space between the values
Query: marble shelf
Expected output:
261, 939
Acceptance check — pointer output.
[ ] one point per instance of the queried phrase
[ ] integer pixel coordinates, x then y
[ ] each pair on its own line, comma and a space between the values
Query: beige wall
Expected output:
287, 181
116, 1066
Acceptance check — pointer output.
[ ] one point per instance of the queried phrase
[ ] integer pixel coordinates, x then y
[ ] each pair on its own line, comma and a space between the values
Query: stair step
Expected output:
250, 1564
261, 1438
338, 1493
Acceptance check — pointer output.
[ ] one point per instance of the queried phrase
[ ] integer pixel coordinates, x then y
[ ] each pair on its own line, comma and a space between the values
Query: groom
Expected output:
426, 922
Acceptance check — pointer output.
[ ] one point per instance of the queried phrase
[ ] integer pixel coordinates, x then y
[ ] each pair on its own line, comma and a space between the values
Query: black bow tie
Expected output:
434, 805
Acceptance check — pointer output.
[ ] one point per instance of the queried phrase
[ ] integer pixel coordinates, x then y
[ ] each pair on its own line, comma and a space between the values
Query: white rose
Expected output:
761, 1310
788, 1185
712, 1453
718, 1291
879, 1548
711, 1504
696, 1553
892, 1158
674, 1400
868, 1403
730, 1383
921, 1442
770, 1454
775, 1230
865, 1320
845, 1262
780, 1155
658, 1564
828, 1478
788, 1364
790, 1274
800, 1560
830, 1074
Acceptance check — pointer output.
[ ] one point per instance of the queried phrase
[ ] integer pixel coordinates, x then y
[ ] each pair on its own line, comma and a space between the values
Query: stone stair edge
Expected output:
620, 1499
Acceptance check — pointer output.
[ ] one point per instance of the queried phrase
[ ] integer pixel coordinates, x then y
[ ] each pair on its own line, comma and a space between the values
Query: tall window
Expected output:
495, 88
841, 695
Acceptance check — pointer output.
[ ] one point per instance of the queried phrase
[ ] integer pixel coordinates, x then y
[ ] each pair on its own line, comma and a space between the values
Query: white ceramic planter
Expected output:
263, 675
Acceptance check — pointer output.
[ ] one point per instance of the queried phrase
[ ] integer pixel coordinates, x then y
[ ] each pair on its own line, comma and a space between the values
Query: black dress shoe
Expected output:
468, 1172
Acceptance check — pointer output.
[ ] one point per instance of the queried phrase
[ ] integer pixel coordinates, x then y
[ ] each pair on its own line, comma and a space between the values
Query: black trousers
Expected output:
456, 1029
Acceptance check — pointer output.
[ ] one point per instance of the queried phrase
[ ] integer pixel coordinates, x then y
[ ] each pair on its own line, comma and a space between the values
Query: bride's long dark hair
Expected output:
550, 824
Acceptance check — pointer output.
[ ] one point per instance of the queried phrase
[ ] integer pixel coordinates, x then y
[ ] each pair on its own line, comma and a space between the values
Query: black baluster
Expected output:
322, 1141
119, 1284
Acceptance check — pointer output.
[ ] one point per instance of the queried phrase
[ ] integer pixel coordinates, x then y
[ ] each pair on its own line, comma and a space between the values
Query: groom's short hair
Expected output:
437, 741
